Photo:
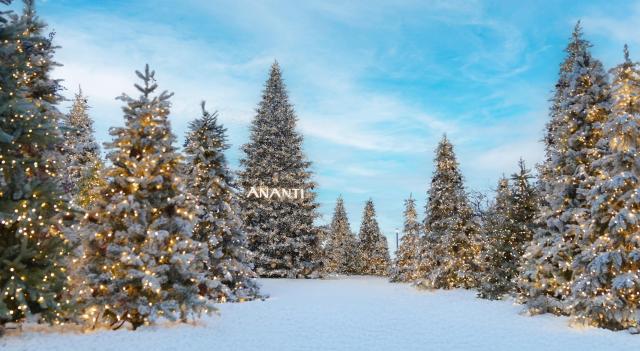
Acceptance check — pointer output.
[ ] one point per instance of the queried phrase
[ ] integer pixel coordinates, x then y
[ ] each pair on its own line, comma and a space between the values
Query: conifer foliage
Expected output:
507, 231
606, 287
342, 254
140, 261
282, 235
218, 222
32, 243
448, 257
374, 253
405, 267
567, 175
81, 153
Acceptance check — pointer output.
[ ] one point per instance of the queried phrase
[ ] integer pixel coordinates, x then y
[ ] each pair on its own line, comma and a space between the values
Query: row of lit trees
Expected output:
147, 234
569, 245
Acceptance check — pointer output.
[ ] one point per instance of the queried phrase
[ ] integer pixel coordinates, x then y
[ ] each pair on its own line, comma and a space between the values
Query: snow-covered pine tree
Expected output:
497, 230
374, 253
566, 177
281, 232
140, 260
450, 248
33, 241
342, 244
80, 151
405, 266
508, 230
218, 222
606, 287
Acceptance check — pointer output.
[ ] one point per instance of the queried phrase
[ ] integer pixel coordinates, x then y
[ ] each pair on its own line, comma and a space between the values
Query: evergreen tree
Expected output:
497, 231
509, 228
140, 261
342, 243
374, 253
567, 176
33, 236
281, 233
448, 257
606, 287
218, 222
81, 153
406, 262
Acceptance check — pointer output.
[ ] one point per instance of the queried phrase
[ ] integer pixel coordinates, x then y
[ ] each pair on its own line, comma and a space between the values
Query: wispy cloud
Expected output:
375, 84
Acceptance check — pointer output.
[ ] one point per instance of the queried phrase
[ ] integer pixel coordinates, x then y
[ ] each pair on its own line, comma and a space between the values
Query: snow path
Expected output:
358, 313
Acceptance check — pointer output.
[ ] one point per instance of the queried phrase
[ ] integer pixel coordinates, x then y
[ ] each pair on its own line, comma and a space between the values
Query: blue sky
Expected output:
375, 83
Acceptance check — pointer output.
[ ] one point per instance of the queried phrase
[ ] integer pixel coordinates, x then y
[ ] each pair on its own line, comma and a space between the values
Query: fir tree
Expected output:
448, 257
606, 287
374, 253
81, 153
33, 240
140, 261
218, 223
281, 233
508, 229
567, 176
497, 230
342, 243
406, 262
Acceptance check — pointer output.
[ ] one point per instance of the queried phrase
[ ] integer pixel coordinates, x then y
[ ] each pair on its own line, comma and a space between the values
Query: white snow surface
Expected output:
343, 313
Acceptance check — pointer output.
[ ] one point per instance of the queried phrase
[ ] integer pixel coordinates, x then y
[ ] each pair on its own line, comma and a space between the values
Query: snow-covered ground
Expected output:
360, 313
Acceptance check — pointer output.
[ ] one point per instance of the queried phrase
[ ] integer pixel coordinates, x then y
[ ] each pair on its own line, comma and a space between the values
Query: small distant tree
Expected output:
406, 263
341, 243
374, 253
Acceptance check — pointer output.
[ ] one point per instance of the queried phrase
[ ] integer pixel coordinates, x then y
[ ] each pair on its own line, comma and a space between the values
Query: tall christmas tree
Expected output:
374, 253
140, 261
606, 287
406, 263
32, 243
508, 229
566, 178
448, 257
281, 232
81, 153
342, 245
218, 222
